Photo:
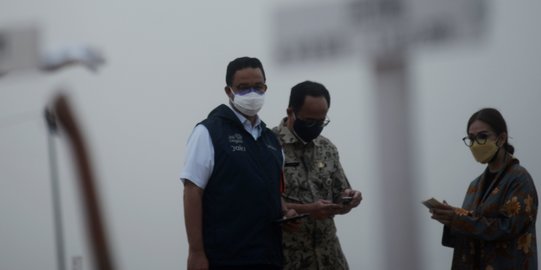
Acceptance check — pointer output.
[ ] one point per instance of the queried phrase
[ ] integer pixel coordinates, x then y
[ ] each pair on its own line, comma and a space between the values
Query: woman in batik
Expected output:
495, 228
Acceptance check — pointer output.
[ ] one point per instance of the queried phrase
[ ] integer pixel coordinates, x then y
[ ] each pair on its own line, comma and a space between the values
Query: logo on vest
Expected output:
235, 140
271, 147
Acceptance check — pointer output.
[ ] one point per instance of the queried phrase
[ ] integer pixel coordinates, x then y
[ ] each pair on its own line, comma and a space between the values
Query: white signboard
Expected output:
326, 30
314, 32
446, 22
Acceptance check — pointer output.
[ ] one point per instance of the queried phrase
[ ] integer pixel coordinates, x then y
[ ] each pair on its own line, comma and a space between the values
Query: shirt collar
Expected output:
289, 138
244, 120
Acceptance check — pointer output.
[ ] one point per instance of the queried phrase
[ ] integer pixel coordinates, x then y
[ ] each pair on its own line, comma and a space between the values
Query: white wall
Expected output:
165, 71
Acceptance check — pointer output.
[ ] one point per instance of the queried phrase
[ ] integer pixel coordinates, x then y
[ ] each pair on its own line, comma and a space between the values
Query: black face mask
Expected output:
305, 131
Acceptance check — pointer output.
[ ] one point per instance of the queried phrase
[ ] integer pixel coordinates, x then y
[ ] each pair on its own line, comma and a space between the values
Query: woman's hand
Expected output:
443, 213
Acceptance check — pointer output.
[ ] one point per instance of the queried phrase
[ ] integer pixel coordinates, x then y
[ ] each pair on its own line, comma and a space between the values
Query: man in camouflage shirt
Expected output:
315, 182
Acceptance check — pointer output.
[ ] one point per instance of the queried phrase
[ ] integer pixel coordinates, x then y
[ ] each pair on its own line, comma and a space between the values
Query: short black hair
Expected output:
242, 63
494, 119
300, 91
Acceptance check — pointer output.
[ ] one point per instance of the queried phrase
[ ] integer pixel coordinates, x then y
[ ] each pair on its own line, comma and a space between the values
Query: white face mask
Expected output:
249, 104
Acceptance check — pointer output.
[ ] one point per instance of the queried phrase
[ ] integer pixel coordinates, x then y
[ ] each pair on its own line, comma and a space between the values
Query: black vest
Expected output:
242, 197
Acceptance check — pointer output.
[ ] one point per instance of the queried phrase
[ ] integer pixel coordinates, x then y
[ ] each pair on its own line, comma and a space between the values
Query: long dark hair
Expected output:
494, 119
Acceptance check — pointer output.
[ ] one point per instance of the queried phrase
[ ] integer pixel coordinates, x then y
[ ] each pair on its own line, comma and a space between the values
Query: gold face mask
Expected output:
483, 153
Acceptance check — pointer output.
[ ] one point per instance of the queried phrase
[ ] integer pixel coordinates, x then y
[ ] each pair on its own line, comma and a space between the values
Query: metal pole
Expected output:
397, 186
55, 190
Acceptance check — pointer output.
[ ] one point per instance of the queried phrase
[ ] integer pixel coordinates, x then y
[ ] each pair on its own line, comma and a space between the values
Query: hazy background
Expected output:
165, 71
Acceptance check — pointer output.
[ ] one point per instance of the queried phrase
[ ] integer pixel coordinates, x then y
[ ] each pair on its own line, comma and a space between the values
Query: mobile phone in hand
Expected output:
346, 200
433, 203
291, 219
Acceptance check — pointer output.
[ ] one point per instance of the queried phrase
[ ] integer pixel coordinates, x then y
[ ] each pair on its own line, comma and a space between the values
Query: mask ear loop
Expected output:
507, 144
295, 132
498, 151
495, 155
231, 96
231, 93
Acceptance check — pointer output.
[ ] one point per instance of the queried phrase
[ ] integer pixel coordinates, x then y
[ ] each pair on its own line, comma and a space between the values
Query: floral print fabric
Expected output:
496, 230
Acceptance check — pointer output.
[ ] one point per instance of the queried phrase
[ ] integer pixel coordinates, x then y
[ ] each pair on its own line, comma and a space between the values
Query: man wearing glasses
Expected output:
315, 181
232, 180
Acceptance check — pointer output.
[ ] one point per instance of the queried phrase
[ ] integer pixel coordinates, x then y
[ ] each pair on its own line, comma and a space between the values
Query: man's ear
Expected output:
290, 116
290, 112
228, 91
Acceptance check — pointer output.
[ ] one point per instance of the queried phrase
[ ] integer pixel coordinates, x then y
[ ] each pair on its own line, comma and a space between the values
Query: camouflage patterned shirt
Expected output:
312, 171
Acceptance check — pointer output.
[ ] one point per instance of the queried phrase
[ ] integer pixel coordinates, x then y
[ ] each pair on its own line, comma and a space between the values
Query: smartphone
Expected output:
346, 200
432, 203
290, 219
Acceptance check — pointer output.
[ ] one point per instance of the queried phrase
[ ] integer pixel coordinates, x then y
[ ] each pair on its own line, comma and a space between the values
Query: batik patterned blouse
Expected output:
496, 230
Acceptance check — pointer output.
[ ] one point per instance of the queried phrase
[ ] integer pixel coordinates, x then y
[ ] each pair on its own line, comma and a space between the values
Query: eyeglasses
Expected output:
480, 138
312, 123
243, 89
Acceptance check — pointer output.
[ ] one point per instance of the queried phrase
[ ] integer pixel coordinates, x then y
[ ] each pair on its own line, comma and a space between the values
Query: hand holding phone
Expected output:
291, 219
346, 200
433, 203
